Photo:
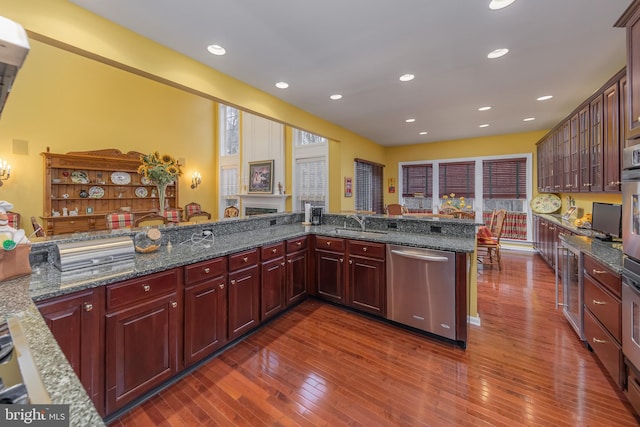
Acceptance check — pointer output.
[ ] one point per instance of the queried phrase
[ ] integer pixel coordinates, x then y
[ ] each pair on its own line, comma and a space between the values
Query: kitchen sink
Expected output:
359, 233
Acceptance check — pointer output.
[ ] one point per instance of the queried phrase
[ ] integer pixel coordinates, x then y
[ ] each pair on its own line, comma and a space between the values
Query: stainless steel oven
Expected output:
631, 202
631, 311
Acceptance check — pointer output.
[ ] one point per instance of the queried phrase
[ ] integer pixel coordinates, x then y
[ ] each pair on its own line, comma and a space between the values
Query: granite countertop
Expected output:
607, 253
46, 282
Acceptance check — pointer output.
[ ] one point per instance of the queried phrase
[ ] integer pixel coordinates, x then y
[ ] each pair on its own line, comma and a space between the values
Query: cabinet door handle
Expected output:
282, 264
174, 304
274, 250
350, 261
88, 307
233, 282
206, 270
596, 302
245, 259
299, 243
364, 249
594, 271
341, 259
597, 341
221, 286
289, 261
146, 288
328, 243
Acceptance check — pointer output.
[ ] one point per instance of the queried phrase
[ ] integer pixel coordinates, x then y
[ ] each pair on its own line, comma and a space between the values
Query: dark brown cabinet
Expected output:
75, 321
273, 275
205, 309
611, 143
583, 152
366, 287
297, 271
143, 340
244, 293
603, 316
330, 258
631, 21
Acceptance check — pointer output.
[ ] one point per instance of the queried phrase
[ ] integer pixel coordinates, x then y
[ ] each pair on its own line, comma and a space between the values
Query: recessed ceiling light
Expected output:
407, 77
497, 53
336, 96
282, 85
215, 49
410, 120
499, 4
424, 132
485, 108
544, 98
486, 125
529, 119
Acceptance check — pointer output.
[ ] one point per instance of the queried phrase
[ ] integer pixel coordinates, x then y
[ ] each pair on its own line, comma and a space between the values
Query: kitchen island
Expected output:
231, 237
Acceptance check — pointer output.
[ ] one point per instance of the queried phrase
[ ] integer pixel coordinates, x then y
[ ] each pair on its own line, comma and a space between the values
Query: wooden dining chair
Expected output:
150, 220
490, 244
396, 209
231, 212
37, 228
119, 219
199, 216
190, 209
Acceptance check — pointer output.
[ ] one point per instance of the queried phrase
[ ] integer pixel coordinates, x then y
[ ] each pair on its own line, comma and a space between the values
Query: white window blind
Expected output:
229, 185
303, 138
311, 180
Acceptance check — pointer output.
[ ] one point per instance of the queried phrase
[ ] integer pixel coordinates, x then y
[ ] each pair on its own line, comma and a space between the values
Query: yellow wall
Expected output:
72, 94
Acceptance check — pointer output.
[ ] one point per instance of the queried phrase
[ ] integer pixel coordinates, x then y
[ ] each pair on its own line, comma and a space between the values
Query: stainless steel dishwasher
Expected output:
421, 289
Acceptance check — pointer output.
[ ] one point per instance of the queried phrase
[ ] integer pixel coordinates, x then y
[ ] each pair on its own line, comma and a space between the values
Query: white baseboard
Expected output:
474, 320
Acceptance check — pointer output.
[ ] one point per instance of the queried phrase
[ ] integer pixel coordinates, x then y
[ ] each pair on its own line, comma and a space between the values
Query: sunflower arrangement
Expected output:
162, 170
453, 202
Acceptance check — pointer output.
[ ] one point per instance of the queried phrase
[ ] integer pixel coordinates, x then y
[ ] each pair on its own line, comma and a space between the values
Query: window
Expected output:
368, 189
229, 186
458, 178
417, 179
302, 137
504, 178
311, 181
229, 130
310, 175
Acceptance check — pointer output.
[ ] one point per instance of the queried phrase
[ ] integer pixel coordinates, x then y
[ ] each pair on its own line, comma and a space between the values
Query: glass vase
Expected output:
162, 195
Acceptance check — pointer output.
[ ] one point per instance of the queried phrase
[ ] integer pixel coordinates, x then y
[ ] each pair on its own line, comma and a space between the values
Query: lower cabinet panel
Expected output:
604, 346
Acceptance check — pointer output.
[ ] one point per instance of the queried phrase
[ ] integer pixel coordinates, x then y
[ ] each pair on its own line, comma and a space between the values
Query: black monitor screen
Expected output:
607, 219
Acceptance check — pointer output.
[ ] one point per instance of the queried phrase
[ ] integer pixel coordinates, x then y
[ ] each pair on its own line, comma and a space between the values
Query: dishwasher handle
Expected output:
415, 255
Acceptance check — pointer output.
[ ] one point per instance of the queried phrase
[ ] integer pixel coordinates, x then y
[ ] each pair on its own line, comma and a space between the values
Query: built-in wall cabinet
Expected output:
583, 152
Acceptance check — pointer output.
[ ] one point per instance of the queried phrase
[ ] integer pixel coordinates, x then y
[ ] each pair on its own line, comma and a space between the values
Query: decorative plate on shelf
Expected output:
145, 181
120, 178
80, 177
141, 192
546, 204
96, 192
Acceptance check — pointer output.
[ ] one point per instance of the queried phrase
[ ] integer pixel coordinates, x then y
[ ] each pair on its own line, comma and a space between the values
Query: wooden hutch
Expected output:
81, 187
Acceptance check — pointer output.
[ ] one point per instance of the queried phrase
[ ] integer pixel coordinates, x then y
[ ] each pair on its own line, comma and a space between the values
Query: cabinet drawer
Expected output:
368, 249
136, 290
633, 389
604, 306
330, 243
204, 270
73, 225
603, 274
243, 259
272, 251
604, 346
296, 244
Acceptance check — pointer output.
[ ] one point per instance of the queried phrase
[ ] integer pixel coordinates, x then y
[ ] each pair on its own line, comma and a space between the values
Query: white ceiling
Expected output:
359, 48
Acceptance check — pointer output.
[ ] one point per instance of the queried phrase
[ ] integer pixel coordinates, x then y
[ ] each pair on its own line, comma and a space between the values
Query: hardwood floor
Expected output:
321, 365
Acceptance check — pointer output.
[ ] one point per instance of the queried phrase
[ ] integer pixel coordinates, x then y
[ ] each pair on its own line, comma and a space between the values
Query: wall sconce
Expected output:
5, 171
196, 180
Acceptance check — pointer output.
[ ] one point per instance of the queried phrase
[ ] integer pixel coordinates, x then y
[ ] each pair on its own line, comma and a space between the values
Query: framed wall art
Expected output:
261, 177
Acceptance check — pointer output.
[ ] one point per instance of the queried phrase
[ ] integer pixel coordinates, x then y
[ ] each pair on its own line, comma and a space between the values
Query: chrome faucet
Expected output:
360, 220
